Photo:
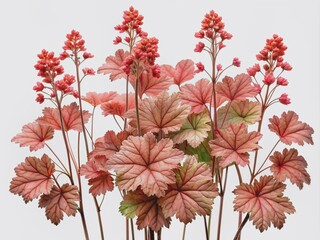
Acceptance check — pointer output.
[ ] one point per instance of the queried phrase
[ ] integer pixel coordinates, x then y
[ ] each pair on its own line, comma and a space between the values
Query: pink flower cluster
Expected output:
49, 68
131, 24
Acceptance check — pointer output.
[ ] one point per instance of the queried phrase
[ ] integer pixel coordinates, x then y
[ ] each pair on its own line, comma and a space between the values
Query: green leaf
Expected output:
239, 112
194, 130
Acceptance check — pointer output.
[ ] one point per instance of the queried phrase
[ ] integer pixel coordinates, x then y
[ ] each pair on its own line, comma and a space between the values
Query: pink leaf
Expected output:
117, 106
96, 99
113, 65
197, 96
144, 162
100, 179
101, 184
289, 165
109, 144
70, 114
163, 113
34, 135
147, 210
183, 71
234, 143
239, 88
264, 201
150, 85
59, 201
290, 130
33, 178
192, 194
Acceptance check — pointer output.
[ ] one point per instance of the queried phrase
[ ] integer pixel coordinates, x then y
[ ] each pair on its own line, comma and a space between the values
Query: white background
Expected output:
29, 26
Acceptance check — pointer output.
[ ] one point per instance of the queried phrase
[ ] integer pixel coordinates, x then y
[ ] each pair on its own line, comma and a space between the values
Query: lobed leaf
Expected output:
150, 85
163, 113
264, 201
142, 161
239, 112
99, 177
71, 117
184, 71
113, 65
290, 130
197, 96
238, 88
234, 143
146, 208
109, 144
192, 194
289, 165
34, 135
117, 106
33, 177
95, 99
194, 130
59, 201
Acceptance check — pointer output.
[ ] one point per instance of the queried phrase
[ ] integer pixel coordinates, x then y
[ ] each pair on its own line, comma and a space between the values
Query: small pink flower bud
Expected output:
39, 87
284, 99
257, 87
253, 70
219, 67
199, 34
269, 79
117, 40
199, 47
282, 81
87, 55
40, 98
286, 66
64, 55
88, 71
236, 62
200, 67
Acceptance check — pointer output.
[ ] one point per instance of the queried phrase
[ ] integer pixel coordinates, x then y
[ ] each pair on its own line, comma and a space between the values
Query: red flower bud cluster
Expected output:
48, 66
132, 22
212, 22
74, 42
144, 55
273, 50
212, 28
147, 50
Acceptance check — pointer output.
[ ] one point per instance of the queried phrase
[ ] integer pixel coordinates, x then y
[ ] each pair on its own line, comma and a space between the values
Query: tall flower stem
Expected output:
221, 204
77, 64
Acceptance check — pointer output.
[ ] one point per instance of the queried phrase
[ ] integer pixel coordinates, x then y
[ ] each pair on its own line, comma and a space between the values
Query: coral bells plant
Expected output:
182, 129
